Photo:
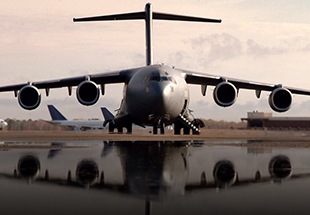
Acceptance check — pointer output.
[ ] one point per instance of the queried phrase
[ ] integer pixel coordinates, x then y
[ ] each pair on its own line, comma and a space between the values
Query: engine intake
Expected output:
280, 99
280, 167
224, 173
87, 172
225, 94
88, 93
29, 97
29, 167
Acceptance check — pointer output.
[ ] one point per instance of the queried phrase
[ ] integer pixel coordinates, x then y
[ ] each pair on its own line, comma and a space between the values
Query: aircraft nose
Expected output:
159, 98
153, 99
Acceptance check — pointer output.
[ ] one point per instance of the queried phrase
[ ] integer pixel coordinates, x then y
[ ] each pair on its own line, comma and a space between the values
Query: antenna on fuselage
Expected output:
148, 15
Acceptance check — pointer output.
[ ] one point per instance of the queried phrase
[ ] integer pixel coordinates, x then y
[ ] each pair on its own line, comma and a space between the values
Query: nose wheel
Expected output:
161, 127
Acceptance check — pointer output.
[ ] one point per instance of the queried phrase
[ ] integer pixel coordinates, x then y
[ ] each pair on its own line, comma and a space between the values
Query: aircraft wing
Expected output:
121, 76
213, 80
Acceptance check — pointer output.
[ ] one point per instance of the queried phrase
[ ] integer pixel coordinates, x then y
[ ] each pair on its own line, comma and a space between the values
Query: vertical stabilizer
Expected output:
107, 114
55, 114
148, 15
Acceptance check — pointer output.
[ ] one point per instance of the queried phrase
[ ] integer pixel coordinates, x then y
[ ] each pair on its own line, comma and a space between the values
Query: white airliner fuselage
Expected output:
3, 123
59, 119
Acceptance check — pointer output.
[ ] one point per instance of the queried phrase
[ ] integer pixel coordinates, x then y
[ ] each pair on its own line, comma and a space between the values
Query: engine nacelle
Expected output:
87, 172
29, 97
225, 94
29, 167
280, 167
280, 99
224, 173
88, 93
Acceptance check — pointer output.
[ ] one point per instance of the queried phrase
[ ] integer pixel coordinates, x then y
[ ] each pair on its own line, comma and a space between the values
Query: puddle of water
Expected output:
170, 177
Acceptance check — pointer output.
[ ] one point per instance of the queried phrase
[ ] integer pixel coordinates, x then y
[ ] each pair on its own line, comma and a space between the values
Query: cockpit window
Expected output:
155, 78
159, 78
172, 79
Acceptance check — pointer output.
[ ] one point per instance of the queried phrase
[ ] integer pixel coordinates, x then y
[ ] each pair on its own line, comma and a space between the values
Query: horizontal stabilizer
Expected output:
124, 16
142, 15
55, 114
173, 17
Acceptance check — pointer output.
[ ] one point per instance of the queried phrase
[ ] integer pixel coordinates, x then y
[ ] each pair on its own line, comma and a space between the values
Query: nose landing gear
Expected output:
161, 127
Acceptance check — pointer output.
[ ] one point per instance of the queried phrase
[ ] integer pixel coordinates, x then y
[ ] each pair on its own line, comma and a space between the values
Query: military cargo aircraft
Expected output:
154, 95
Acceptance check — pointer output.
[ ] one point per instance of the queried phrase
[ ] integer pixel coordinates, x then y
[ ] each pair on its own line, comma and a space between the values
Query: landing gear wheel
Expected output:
111, 128
177, 129
162, 128
154, 129
120, 129
129, 129
186, 130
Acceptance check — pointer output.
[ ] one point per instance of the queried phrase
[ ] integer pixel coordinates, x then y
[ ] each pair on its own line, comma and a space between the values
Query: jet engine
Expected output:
280, 99
225, 94
29, 167
87, 172
280, 167
224, 173
88, 93
29, 97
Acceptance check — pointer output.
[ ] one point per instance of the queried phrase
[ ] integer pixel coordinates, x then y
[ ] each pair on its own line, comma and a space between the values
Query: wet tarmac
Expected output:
153, 177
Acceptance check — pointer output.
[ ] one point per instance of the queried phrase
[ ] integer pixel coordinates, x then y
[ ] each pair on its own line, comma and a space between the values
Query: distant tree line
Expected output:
212, 124
21, 125
40, 125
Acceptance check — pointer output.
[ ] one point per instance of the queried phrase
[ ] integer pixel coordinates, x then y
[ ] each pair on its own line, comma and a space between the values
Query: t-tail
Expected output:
55, 114
148, 15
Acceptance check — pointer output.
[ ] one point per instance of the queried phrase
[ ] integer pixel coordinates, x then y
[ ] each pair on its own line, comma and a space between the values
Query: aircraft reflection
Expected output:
152, 168
151, 171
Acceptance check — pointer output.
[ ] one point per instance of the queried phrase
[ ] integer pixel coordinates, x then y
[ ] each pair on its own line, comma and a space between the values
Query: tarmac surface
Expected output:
255, 137
218, 172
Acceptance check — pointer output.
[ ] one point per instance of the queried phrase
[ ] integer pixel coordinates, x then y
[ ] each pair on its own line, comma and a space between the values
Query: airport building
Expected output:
267, 121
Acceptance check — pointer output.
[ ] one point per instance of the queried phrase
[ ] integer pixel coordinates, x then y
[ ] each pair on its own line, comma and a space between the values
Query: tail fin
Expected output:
108, 116
148, 15
55, 114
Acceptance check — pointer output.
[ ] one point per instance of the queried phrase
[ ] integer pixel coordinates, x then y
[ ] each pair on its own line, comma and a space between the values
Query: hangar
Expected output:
267, 121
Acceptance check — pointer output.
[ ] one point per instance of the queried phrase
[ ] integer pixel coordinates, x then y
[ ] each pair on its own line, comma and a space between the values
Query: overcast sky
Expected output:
258, 40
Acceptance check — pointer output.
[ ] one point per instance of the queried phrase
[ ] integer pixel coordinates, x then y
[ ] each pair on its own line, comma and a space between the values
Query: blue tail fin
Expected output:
55, 114
107, 114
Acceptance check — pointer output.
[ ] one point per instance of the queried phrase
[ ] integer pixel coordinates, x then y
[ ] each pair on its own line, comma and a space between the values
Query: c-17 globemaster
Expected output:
154, 95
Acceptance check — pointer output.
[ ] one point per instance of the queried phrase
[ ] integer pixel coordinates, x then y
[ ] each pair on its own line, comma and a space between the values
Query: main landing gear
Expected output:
120, 129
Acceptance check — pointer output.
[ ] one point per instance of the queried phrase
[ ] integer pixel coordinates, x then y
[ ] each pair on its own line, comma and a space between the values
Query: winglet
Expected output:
55, 114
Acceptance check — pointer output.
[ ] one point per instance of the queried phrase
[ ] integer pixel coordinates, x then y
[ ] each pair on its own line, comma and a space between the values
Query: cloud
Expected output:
202, 103
257, 50
306, 48
218, 46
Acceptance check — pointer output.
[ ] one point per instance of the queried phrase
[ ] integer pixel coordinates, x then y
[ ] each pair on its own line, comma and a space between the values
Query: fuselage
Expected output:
155, 94
79, 123
3, 123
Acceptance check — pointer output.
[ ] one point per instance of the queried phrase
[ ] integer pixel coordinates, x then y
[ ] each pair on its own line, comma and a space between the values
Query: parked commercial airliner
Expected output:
154, 95
2, 124
77, 125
